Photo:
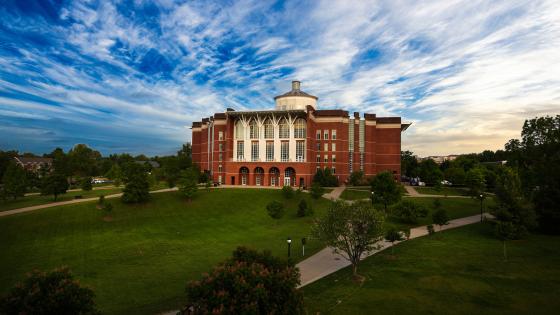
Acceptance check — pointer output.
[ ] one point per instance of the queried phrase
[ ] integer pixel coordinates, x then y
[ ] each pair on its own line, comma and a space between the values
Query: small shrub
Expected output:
408, 211
101, 200
85, 184
440, 218
275, 209
288, 192
431, 230
437, 204
316, 190
108, 207
55, 292
302, 208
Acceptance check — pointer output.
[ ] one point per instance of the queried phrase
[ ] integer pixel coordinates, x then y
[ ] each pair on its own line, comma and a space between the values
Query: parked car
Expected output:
446, 183
421, 184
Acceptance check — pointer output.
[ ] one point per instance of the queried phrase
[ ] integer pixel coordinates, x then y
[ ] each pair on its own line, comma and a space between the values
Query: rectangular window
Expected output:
300, 151
254, 130
318, 134
220, 168
283, 131
240, 151
317, 169
318, 158
220, 147
326, 147
326, 158
220, 135
333, 158
254, 151
220, 156
219, 179
270, 151
333, 170
268, 130
318, 146
333, 146
333, 134
326, 135
285, 151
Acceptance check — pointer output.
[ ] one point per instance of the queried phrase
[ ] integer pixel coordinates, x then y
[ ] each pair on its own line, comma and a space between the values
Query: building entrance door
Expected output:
287, 181
258, 180
273, 181
244, 179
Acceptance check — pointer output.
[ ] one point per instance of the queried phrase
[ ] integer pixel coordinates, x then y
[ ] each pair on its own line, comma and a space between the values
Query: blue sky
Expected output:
131, 76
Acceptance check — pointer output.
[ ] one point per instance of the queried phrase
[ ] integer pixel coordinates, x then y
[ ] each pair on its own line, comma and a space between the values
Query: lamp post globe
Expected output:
289, 240
481, 199
372, 194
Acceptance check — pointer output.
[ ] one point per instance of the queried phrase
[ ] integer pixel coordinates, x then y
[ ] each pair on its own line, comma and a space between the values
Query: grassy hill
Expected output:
460, 271
139, 258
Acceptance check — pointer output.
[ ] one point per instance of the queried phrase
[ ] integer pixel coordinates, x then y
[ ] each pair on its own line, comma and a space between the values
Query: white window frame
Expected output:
326, 147
326, 157
318, 135
254, 151
300, 151
285, 151
283, 129
333, 158
326, 135
333, 147
239, 130
333, 134
220, 135
253, 130
318, 158
268, 129
300, 128
240, 151
270, 151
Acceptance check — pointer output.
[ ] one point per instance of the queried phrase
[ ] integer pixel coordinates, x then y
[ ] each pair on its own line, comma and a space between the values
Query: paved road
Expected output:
326, 262
335, 193
69, 202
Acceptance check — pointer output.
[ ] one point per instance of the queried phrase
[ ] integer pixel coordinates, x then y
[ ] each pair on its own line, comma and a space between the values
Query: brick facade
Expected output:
215, 142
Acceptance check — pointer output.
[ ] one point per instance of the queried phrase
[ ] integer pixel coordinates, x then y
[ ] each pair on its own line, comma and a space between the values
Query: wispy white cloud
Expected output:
467, 73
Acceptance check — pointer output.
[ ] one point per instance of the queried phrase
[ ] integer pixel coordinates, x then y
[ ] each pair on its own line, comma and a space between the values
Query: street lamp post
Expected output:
372, 195
289, 246
481, 199
303, 241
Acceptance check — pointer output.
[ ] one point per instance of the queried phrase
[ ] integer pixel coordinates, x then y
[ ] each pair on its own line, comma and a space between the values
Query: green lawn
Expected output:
450, 191
460, 271
34, 200
455, 207
139, 260
355, 194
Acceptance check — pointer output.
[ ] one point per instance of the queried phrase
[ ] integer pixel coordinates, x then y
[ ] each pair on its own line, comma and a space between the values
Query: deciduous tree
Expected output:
54, 184
14, 181
351, 230
385, 188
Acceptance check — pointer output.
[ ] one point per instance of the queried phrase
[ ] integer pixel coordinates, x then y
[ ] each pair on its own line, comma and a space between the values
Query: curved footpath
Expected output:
69, 202
326, 261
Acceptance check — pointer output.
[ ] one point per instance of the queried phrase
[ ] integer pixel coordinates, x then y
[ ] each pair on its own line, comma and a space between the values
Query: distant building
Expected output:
33, 163
285, 146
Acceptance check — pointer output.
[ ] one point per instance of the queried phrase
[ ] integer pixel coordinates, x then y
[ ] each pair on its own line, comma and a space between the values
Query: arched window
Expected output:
299, 128
253, 129
239, 130
284, 129
268, 129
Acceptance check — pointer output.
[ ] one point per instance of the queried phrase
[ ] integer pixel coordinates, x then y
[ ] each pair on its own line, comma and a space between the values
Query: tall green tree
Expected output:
184, 156
475, 181
54, 184
115, 174
429, 172
409, 164
137, 188
14, 181
386, 189
351, 230
188, 183
456, 175
537, 157
83, 160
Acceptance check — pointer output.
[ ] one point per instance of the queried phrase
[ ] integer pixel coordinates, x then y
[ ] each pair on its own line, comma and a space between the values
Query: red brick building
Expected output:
286, 145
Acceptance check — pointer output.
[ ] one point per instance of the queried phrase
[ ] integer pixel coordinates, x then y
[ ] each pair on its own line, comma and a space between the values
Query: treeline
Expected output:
75, 169
530, 176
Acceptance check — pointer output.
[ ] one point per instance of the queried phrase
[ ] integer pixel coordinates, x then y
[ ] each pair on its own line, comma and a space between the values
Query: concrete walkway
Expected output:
412, 192
326, 262
69, 202
79, 189
335, 193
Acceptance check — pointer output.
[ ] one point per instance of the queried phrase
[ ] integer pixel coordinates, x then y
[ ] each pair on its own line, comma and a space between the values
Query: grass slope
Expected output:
460, 271
139, 260
450, 191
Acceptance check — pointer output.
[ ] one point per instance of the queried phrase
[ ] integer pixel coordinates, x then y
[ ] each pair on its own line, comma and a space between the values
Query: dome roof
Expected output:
296, 91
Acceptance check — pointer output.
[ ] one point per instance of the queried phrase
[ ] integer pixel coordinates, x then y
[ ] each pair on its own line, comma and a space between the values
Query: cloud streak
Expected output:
131, 76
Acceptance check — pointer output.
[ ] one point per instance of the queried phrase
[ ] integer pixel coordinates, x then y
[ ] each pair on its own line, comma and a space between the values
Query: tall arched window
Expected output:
284, 129
299, 128
254, 129
239, 130
268, 129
